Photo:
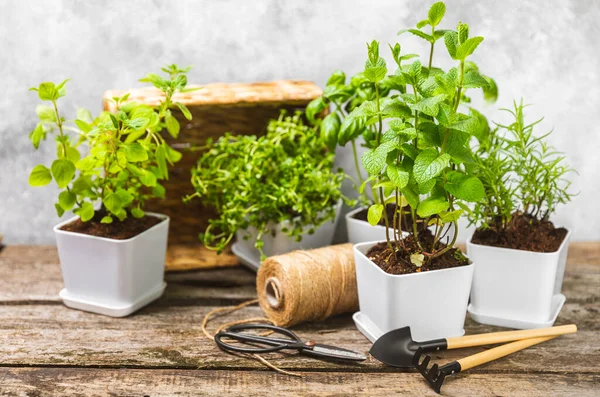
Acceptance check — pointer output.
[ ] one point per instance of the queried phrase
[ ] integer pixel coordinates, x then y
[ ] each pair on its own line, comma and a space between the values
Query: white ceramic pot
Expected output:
112, 277
278, 242
514, 285
433, 304
361, 231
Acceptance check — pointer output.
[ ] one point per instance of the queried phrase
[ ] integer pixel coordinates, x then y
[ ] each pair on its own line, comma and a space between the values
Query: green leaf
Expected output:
47, 91
422, 23
315, 107
184, 110
329, 129
374, 214
429, 164
40, 176
490, 93
417, 33
172, 126
469, 125
398, 176
451, 41
125, 197
86, 163
137, 213
374, 160
375, 71
112, 202
463, 32
161, 161
436, 13
173, 155
63, 171
429, 106
59, 210
37, 135
45, 113
473, 79
159, 191
66, 200
337, 78
135, 152
467, 48
83, 126
411, 195
450, 216
461, 186
86, 212
432, 205
73, 154
106, 219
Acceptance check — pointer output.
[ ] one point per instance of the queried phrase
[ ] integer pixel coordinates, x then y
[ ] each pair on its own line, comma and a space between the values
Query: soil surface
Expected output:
116, 230
524, 233
389, 209
398, 262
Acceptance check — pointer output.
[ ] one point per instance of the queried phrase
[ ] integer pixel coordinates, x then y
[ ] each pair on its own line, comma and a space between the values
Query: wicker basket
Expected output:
242, 109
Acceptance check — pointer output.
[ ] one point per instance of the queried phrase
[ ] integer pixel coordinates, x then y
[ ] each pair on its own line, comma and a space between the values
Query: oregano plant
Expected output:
126, 155
259, 181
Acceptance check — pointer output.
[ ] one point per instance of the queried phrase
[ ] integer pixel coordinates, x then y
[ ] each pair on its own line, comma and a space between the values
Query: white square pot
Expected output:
515, 284
112, 277
360, 231
433, 304
278, 242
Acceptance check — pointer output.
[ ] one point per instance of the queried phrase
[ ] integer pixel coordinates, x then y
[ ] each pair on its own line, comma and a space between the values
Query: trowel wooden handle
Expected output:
500, 351
508, 336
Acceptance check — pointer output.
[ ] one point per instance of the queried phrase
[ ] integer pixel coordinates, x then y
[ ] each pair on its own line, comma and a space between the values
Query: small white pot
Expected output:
112, 277
278, 242
360, 231
516, 285
433, 304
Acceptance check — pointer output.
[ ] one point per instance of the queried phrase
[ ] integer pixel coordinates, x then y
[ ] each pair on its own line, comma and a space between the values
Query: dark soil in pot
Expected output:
524, 233
389, 209
398, 261
116, 230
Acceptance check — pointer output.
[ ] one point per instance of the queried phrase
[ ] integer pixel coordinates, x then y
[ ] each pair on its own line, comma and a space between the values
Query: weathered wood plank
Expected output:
159, 337
124, 382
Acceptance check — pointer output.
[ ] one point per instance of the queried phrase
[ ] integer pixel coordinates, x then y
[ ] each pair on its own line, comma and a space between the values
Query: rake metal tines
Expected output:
435, 375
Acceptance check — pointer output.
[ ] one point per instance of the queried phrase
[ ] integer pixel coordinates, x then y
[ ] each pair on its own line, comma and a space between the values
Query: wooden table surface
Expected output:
48, 349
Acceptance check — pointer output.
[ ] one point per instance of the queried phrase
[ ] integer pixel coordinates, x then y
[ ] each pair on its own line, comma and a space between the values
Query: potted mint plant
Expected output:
419, 159
515, 242
112, 252
276, 193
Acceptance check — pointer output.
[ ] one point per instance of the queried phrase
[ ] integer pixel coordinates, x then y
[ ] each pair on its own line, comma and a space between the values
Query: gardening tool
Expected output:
292, 342
435, 375
396, 348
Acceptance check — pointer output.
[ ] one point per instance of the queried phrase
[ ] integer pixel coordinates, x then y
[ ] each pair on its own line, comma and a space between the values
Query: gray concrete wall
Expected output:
545, 51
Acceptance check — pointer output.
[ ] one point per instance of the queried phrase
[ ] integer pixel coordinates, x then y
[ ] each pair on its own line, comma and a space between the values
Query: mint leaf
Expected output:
451, 41
63, 171
135, 152
473, 79
461, 186
432, 205
47, 91
375, 71
463, 32
467, 48
398, 176
40, 176
429, 164
374, 214
429, 106
436, 13
417, 33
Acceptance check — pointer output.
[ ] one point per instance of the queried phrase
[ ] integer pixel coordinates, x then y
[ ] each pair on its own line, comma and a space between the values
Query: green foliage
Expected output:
126, 155
284, 175
521, 174
417, 137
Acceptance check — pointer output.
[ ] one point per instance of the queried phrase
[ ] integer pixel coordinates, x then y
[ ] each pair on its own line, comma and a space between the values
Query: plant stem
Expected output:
381, 196
431, 51
356, 164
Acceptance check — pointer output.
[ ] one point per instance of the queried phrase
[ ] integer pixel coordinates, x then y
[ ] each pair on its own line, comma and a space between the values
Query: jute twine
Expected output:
305, 286
298, 287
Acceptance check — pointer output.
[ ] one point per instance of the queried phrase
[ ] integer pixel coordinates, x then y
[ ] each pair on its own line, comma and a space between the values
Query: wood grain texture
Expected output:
17, 382
242, 109
48, 349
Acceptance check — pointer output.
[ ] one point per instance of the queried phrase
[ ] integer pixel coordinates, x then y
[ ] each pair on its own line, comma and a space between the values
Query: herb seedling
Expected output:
126, 157
252, 181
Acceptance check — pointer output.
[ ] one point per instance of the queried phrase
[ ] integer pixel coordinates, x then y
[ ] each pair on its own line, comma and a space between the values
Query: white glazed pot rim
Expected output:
419, 274
562, 245
57, 229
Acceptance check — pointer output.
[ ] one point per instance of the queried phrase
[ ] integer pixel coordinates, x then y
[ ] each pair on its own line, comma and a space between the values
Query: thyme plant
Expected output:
521, 173
419, 154
256, 182
126, 155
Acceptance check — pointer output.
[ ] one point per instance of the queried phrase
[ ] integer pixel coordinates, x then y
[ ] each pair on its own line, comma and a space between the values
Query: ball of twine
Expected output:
304, 286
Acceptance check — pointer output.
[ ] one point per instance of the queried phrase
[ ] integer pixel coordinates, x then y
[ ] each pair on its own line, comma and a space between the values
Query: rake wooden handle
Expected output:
500, 351
508, 336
